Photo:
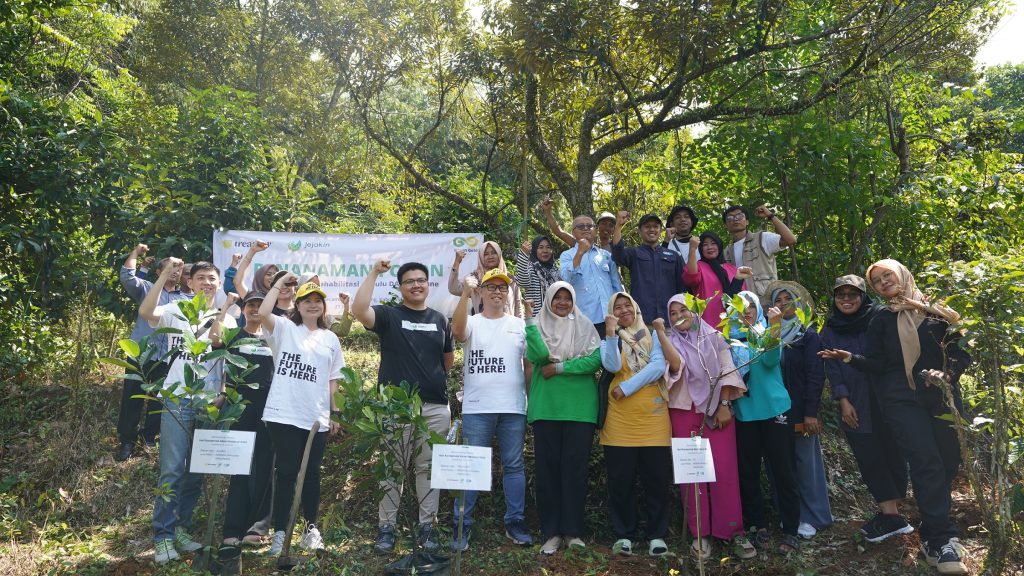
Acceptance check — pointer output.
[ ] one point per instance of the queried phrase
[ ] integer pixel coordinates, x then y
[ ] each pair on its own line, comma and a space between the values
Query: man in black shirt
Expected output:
415, 347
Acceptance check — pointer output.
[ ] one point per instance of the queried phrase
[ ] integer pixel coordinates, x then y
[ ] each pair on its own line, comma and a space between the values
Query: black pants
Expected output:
883, 467
132, 409
289, 443
932, 450
562, 454
774, 442
654, 465
249, 496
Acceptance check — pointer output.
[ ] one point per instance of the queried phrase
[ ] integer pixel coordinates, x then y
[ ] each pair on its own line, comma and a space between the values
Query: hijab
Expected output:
697, 348
716, 264
792, 328
481, 270
855, 323
544, 270
571, 337
909, 318
740, 331
261, 280
636, 338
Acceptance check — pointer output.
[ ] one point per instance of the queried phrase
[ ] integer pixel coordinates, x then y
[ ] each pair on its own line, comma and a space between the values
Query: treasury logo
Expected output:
225, 243
295, 246
470, 241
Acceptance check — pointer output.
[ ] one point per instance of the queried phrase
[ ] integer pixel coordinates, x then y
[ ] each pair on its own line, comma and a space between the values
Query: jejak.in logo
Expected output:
467, 241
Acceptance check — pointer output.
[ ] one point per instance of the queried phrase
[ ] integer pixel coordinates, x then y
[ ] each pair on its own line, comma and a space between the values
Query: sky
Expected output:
1007, 42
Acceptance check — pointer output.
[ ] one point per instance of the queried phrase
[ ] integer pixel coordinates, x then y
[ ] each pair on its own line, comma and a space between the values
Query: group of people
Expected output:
561, 347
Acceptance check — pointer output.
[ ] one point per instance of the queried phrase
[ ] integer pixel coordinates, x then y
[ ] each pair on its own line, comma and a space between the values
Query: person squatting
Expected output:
560, 345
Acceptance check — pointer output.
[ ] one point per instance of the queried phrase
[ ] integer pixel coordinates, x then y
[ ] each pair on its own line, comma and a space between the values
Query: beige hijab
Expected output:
480, 270
636, 339
571, 337
908, 316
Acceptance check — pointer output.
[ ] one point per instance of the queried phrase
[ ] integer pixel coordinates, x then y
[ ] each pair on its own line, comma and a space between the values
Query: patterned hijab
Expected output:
636, 339
700, 357
571, 337
908, 317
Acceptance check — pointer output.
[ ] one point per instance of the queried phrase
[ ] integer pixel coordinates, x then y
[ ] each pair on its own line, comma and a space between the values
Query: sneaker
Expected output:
806, 531
743, 548
124, 452
947, 559
658, 547
760, 537
884, 526
575, 542
385, 539
622, 547
461, 545
277, 543
311, 540
165, 552
184, 541
551, 546
516, 532
426, 536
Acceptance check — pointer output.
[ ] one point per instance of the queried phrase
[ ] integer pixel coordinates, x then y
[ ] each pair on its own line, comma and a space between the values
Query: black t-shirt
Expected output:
262, 358
412, 348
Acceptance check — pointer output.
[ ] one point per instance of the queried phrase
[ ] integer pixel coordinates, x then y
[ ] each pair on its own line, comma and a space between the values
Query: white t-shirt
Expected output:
305, 362
770, 242
494, 382
170, 316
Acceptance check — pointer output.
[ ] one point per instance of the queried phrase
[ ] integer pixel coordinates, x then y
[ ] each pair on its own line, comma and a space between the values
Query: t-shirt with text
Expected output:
170, 316
412, 348
494, 381
305, 362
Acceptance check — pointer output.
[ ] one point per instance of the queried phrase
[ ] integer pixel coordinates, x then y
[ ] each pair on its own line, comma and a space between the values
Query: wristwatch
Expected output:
726, 402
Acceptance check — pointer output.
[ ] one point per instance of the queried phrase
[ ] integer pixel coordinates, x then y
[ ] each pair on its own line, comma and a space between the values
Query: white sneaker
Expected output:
277, 543
165, 552
806, 531
311, 540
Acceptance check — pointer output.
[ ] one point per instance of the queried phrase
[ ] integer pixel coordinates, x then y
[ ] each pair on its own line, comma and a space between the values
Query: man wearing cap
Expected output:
655, 272
681, 222
756, 250
415, 347
591, 271
494, 400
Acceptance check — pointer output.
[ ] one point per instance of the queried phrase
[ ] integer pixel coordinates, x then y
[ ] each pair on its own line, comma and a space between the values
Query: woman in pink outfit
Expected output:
710, 277
702, 382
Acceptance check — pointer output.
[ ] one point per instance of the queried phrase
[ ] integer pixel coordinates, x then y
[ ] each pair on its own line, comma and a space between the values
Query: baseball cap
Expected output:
253, 295
310, 288
851, 280
496, 273
605, 216
647, 218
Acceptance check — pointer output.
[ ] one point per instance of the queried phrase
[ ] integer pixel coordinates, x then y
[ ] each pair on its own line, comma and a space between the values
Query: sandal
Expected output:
743, 548
761, 538
701, 548
254, 539
622, 547
657, 547
789, 544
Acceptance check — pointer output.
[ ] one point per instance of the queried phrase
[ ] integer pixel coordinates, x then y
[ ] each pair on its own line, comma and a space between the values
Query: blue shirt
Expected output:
595, 280
137, 288
655, 275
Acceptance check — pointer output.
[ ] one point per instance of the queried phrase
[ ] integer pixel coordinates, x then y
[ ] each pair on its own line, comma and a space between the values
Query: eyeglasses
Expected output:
503, 288
848, 295
736, 217
291, 284
584, 226
415, 282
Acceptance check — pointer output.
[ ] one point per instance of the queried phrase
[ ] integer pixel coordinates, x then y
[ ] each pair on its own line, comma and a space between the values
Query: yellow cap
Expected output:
310, 288
496, 273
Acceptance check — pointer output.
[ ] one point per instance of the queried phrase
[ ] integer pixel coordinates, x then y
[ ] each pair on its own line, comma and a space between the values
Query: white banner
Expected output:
343, 260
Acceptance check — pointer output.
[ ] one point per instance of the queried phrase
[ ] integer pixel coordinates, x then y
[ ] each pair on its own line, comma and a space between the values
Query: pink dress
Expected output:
706, 286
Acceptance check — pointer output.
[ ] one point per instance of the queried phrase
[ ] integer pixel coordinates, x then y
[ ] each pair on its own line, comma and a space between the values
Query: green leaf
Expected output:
130, 347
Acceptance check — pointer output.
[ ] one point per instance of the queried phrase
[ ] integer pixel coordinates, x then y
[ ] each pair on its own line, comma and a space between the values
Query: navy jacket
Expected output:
655, 275
845, 380
803, 374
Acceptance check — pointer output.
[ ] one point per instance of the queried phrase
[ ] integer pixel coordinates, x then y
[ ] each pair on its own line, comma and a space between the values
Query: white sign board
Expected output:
691, 460
460, 467
343, 260
222, 452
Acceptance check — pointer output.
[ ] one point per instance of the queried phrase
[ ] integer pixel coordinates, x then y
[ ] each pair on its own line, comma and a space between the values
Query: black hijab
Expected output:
716, 264
545, 270
851, 323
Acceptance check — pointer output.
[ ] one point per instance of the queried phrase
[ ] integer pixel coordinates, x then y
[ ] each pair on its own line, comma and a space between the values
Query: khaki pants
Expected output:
439, 419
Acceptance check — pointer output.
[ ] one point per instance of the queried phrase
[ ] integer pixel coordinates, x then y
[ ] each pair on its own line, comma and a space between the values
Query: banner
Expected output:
343, 260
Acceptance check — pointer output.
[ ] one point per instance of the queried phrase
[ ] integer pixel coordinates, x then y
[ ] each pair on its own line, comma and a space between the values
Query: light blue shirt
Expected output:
137, 288
611, 359
595, 280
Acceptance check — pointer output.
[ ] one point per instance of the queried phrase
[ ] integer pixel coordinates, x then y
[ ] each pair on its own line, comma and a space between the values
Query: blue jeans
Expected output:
479, 430
176, 425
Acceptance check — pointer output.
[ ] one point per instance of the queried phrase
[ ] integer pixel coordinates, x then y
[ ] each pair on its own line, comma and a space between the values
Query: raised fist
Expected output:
527, 309
763, 211
670, 233
744, 272
584, 244
659, 325
546, 204
459, 255
470, 282
621, 218
774, 315
382, 266
695, 243
289, 277
235, 259
147, 262
231, 299
526, 247
175, 263
258, 246
610, 322
140, 249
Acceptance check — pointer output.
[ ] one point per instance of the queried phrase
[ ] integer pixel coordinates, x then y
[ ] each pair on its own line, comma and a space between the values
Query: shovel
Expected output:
286, 562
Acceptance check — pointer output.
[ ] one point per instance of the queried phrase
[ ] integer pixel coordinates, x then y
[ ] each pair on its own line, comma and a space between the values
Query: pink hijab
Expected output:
700, 364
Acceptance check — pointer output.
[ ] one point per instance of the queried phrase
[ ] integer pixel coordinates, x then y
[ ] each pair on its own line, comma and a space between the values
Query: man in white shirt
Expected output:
756, 250
494, 400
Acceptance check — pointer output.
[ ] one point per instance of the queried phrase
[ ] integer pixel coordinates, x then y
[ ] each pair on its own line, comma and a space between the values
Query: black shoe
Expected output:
125, 452
426, 537
385, 539
151, 443
884, 526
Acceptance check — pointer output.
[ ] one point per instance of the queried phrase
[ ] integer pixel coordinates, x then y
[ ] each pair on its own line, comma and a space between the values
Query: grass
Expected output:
67, 508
